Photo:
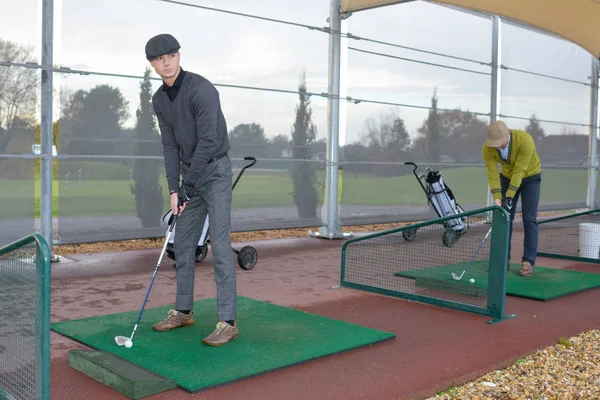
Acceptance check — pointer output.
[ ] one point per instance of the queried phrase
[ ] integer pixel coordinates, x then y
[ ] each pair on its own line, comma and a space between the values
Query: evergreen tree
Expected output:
304, 173
148, 191
535, 129
431, 131
401, 137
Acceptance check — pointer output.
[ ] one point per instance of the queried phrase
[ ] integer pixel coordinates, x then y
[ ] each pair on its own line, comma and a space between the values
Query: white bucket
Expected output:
589, 240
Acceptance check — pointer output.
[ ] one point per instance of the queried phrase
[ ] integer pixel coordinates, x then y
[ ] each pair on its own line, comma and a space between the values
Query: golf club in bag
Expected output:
247, 256
443, 202
128, 341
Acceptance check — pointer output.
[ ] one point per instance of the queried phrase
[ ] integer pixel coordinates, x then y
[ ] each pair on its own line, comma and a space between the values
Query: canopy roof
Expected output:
574, 20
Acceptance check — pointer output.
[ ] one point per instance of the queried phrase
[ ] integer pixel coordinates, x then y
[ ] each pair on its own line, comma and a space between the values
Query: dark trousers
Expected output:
529, 192
213, 200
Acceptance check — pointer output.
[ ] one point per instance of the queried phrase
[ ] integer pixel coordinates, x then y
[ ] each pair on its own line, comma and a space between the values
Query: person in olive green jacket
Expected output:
520, 176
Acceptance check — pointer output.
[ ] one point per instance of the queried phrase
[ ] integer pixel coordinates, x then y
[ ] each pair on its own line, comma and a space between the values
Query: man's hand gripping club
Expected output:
180, 198
507, 203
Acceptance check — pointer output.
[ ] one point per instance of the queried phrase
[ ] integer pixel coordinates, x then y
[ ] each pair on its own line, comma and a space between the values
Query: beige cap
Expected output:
497, 132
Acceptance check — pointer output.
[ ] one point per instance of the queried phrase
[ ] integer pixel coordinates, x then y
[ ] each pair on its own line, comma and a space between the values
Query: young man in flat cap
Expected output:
195, 145
520, 176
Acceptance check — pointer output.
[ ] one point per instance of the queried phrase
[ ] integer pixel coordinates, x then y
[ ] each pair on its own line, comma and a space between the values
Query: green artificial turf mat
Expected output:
544, 284
271, 337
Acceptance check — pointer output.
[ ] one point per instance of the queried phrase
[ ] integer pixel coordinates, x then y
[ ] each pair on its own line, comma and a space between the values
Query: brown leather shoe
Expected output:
174, 320
526, 269
222, 334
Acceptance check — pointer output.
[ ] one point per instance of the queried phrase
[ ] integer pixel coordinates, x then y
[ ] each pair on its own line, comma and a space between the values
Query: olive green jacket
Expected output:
523, 162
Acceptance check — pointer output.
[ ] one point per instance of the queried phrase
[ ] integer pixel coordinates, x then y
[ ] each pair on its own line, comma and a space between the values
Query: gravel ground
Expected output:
236, 237
569, 370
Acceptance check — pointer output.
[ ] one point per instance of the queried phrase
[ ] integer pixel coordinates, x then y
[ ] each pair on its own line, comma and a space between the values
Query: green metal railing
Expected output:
416, 262
571, 237
25, 319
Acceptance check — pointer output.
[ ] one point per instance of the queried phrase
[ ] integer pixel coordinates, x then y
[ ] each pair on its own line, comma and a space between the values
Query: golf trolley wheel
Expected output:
409, 235
449, 237
247, 257
201, 252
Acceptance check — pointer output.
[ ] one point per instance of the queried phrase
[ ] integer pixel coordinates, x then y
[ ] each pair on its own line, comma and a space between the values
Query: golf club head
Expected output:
123, 341
455, 277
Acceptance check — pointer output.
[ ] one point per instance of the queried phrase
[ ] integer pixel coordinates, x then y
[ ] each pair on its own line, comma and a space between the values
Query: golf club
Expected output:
457, 277
128, 341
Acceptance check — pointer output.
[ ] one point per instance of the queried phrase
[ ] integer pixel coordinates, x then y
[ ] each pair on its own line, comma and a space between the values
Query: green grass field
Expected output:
274, 189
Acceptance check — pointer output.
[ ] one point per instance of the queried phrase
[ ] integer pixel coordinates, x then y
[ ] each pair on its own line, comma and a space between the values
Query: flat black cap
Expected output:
160, 45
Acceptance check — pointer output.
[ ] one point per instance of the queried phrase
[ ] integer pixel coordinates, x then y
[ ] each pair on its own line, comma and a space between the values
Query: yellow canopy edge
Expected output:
574, 20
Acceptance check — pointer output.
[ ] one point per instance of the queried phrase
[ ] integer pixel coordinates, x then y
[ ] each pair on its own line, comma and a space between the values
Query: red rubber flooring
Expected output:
434, 348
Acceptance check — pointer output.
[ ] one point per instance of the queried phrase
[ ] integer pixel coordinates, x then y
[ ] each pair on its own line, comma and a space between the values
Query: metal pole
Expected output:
335, 25
46, 121
333, 225
593, 146
495, 89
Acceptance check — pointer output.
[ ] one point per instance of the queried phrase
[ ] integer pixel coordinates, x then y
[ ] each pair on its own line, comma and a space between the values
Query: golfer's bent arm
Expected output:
521, 163
205, 104
493, 175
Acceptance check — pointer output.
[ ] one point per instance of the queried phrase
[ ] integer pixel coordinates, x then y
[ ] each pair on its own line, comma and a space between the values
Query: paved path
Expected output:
434, 348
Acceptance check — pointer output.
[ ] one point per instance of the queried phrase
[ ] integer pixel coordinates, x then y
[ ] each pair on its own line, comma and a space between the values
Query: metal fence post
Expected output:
46, 121
42, 318
498, 258
495, 87
593, 146
333, 229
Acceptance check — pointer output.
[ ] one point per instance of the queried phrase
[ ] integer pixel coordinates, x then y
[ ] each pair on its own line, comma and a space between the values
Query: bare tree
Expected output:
18, 86
568, 130
386, 132
459, 135
386, 139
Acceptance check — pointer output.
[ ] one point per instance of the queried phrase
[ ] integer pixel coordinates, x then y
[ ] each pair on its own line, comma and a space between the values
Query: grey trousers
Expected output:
213, 197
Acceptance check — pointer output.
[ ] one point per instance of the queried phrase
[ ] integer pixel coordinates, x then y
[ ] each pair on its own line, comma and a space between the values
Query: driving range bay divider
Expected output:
25, 312
374, 263
573, 237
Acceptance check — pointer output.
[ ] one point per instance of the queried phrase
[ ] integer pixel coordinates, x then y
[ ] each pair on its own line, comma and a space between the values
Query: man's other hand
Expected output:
175, 207
508, 203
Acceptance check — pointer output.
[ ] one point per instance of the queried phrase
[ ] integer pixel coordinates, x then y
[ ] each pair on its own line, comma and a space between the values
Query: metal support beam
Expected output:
495, 85
46, 121
333, 229
593, 144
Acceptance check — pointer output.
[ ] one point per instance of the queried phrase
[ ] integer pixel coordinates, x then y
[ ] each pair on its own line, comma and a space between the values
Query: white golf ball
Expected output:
128, 344
472, 280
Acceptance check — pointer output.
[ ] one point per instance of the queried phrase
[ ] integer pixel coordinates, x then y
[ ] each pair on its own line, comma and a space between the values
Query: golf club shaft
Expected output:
133, 333
477, 251
154, 274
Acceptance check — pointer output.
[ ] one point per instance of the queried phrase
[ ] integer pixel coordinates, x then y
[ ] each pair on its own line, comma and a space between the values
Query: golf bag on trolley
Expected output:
247, 256
441, 198
201, 249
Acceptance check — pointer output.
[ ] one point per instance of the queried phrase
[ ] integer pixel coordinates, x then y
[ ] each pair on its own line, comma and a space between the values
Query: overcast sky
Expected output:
109, 36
